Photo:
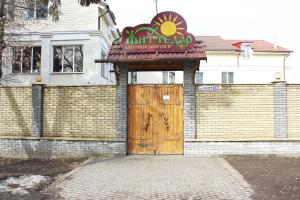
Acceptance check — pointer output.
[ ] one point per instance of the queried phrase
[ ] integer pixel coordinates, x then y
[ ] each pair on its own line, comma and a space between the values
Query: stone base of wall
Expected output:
283, 148
50, 149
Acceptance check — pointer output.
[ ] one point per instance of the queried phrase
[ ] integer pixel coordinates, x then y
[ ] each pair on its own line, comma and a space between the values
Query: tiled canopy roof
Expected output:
118, 55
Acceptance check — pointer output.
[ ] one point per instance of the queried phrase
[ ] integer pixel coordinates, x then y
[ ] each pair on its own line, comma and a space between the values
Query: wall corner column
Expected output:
122, 102
189, 101
37, 110
280, 109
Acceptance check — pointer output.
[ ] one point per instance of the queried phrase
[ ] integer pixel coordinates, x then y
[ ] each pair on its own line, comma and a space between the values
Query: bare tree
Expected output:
13, 15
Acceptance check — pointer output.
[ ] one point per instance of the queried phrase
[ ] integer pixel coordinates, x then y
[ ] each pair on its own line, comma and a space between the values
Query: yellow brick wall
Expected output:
80, 111
236, 111
15, 111
293, 110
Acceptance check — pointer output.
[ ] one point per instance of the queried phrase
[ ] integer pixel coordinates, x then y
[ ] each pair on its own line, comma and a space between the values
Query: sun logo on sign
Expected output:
170, 25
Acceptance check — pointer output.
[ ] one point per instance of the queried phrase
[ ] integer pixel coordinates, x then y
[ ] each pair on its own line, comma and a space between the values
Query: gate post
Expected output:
189, 101
122, 102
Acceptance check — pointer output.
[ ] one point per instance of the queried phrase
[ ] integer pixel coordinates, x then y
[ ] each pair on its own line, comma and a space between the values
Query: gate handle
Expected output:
165, 119
147, 123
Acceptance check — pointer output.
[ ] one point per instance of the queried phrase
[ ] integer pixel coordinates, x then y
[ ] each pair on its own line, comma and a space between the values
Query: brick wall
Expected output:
283, 148
49, 149
235, 111
293, 110
15, 111
87, 111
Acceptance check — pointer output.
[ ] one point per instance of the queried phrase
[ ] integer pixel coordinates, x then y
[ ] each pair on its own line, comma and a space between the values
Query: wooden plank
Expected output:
155, 123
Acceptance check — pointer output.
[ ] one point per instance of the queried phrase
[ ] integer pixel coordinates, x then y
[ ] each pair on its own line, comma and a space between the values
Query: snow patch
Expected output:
21, 185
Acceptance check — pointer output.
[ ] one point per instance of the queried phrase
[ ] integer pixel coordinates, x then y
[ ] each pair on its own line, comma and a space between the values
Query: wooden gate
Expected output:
155, 119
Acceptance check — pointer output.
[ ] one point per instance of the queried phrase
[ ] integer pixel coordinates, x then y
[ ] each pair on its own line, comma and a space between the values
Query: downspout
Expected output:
284, 67
238, 59
102, 16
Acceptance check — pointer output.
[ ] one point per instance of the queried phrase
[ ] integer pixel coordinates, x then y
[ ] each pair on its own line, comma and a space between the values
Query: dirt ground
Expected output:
51, 168
272, 178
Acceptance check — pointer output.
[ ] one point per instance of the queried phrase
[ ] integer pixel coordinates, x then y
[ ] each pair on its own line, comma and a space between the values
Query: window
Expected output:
227, 77
26, 59
247, 50
38, 9
171, 77
199, 77
104, 68
67, 59
111, 73
168, 77
133, 77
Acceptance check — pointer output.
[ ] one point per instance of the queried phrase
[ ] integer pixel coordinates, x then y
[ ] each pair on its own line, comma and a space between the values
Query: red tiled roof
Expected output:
216, 43
262, 46
118, 55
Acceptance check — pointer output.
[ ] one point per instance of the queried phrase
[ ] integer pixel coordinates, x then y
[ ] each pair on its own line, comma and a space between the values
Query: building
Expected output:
56, 121
230, 61
81, 35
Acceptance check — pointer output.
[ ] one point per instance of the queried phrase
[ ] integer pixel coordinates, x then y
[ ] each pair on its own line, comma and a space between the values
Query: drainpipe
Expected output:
284, 67
238, 59
102, 16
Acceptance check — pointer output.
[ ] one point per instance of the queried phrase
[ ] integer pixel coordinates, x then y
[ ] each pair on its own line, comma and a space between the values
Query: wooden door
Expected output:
155, 119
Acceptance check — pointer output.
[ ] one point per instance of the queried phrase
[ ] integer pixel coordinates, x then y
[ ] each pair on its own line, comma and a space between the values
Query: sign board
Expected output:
167, 32
166, 97
210, 88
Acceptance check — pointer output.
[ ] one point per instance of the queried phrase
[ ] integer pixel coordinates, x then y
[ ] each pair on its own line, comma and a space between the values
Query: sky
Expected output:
271, 20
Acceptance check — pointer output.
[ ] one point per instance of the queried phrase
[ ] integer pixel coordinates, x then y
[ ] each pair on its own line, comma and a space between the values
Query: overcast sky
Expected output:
231, 19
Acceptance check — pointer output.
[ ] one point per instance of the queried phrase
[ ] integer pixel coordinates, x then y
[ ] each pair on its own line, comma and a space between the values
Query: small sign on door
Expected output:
166, 97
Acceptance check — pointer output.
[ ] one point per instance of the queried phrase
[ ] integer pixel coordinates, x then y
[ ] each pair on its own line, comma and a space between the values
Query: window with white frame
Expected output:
26, 59
111, 73
171, 77
199, 77
168, 77
247, 50
38, 9
104, 68
227, 77
68, 59
133, 77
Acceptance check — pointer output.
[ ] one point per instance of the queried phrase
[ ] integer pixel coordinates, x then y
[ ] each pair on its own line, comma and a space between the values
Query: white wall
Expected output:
77, 26
260, 68
74, 17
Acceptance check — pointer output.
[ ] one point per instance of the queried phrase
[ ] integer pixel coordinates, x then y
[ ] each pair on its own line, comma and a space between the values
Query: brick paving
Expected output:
156, 177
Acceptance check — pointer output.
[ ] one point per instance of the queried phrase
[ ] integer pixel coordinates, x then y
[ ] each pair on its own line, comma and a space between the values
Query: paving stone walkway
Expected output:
156, 177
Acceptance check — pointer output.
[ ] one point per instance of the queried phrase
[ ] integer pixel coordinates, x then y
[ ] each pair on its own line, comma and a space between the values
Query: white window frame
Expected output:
35, 12
62, 62
111, 69
104, 67
247, 50
133, 77
227, 77
196, 77
167, 74
31, 61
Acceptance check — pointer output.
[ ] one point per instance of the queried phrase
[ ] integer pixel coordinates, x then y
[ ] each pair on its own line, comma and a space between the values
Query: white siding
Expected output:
74, 17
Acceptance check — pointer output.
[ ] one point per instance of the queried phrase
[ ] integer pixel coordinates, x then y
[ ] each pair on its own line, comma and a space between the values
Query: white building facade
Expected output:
231, 62
63, 52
